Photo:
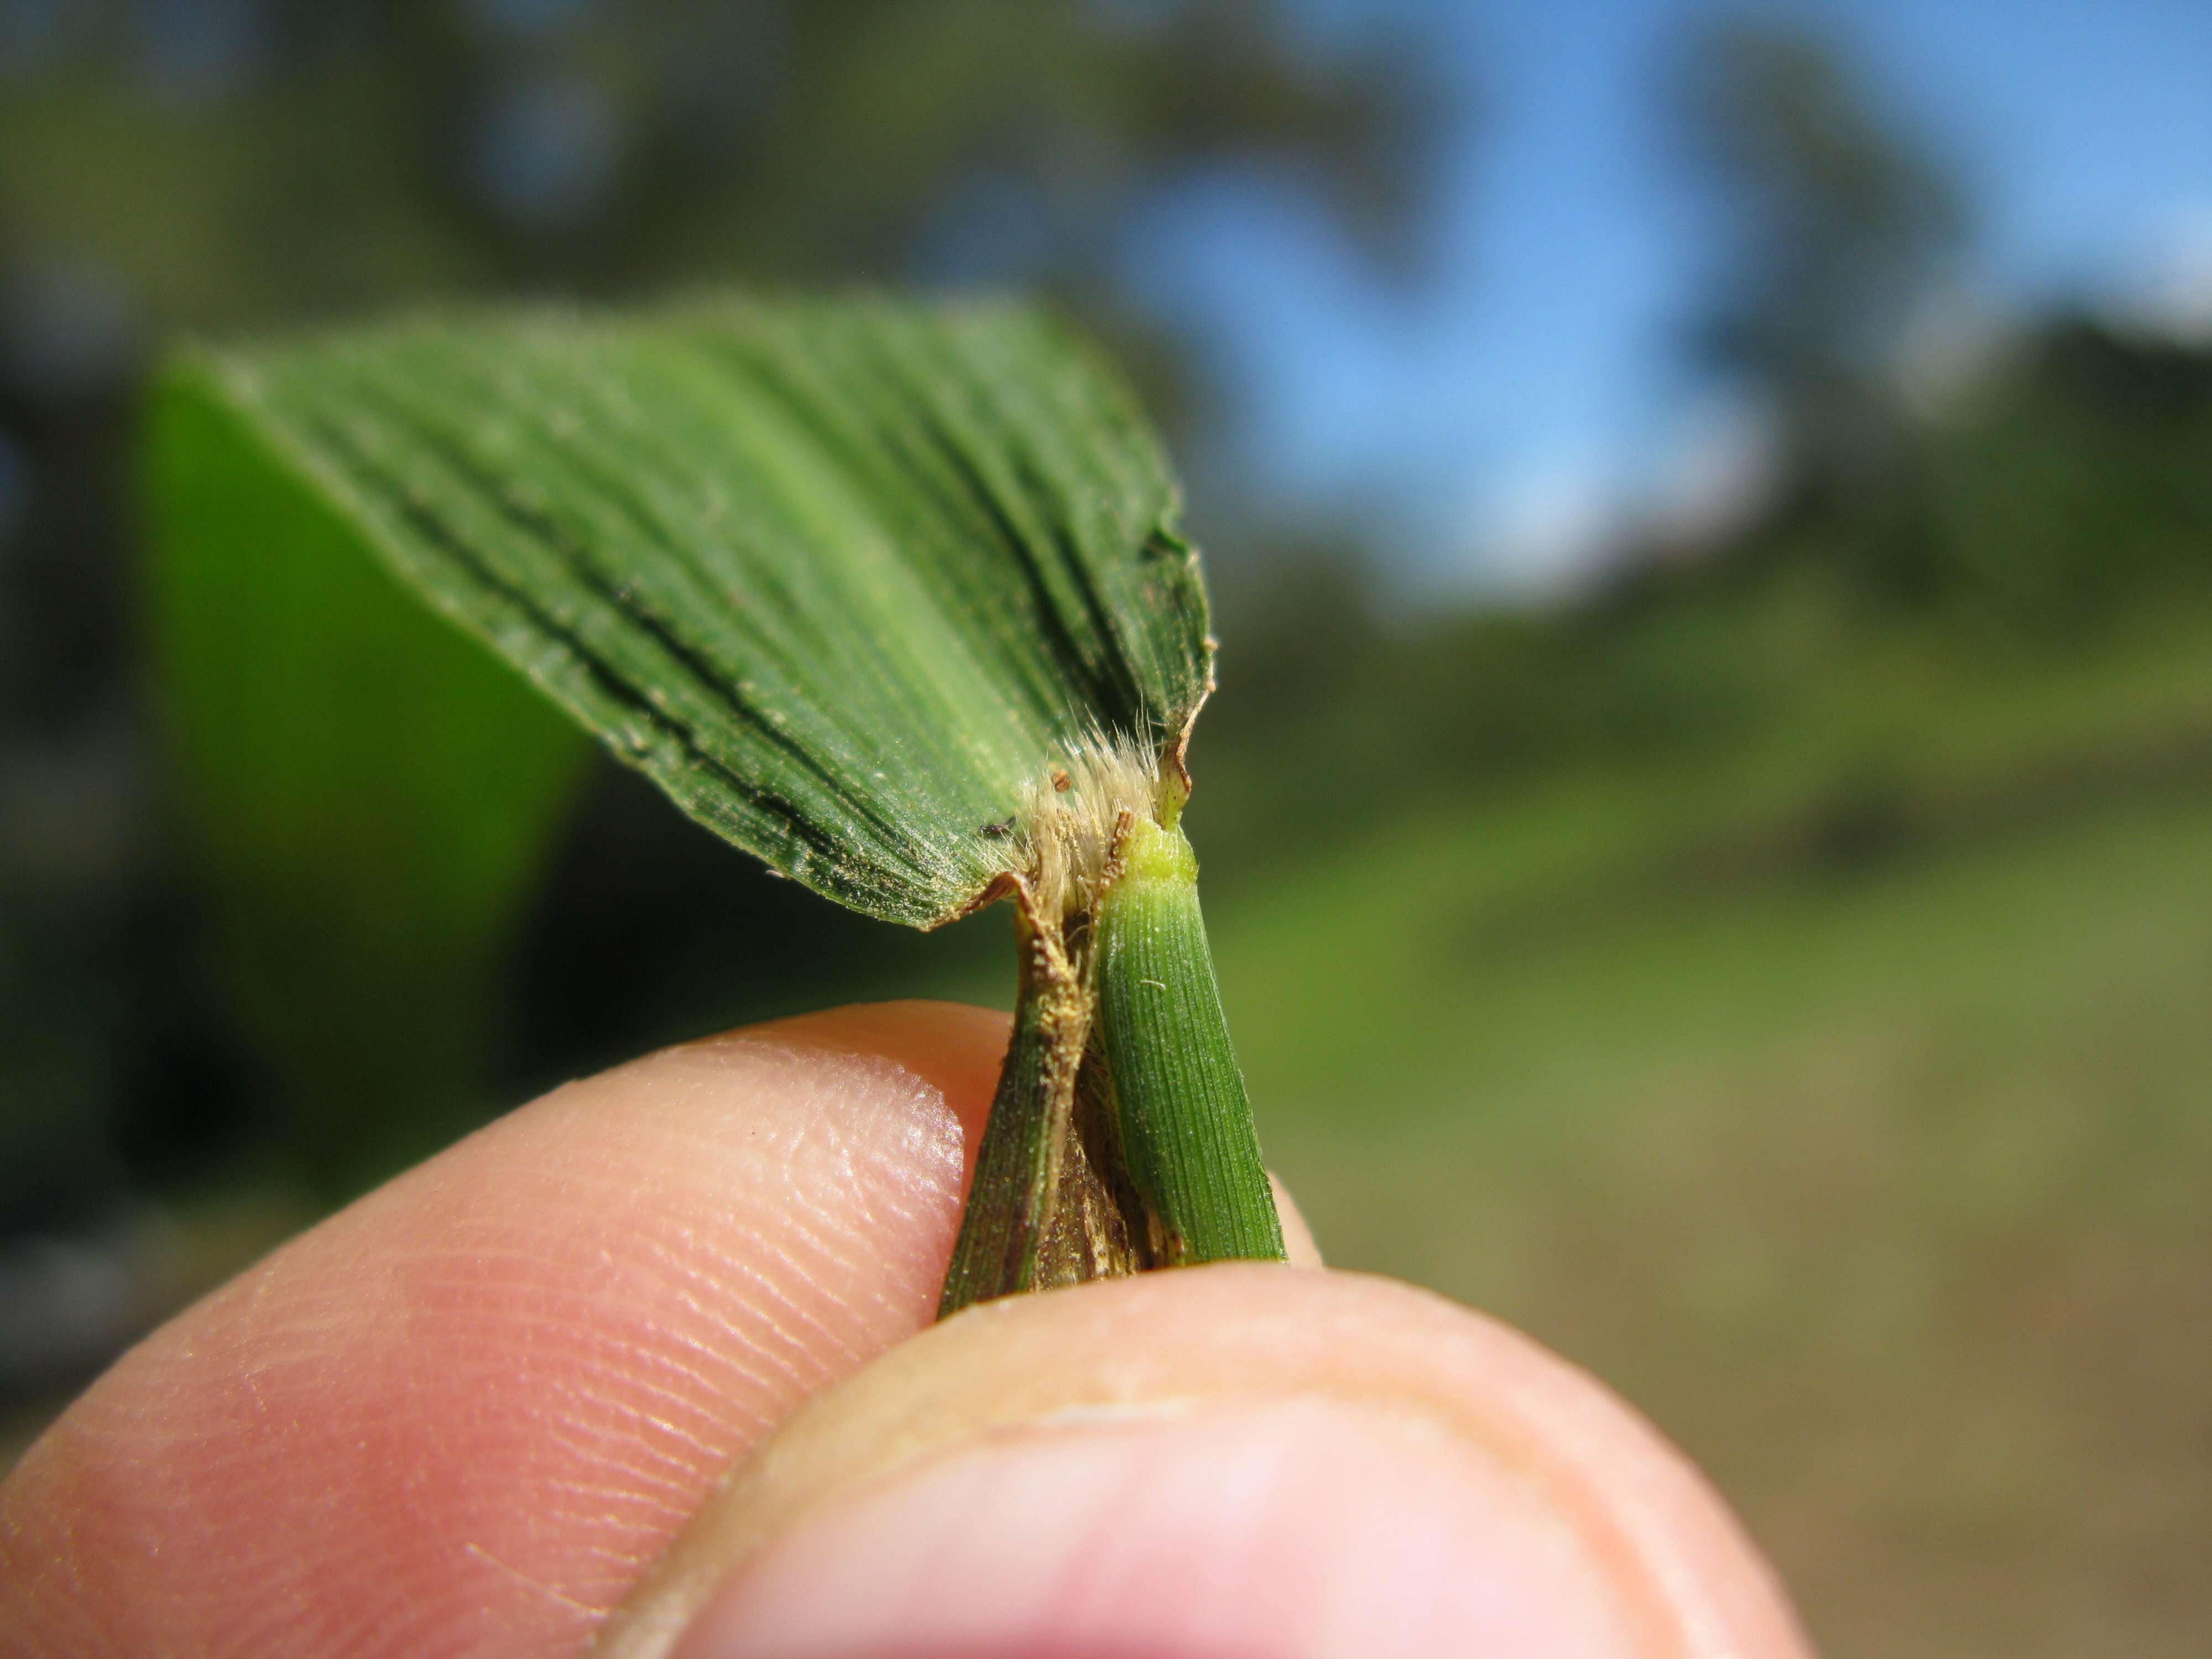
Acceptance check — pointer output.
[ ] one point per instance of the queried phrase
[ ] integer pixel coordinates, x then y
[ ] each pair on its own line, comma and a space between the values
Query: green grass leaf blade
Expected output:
844, 577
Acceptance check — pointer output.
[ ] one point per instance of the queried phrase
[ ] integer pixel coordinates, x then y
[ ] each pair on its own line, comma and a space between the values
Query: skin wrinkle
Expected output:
815, 1242
600, 1416
583, 1352
808, 1333
817, 1132
816, 1127
641, 1483
516, 1573
622, 1562
601, 1504
793, 1334
716, 1373
278, 1624
657, 1372
643, 1477
635, 1419
819, 1137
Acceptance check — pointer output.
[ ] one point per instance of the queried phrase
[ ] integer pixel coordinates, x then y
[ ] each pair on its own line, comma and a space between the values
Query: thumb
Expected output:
1227, 1461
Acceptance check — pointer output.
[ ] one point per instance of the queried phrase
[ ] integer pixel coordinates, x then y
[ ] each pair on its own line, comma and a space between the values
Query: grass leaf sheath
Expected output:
1187, 1131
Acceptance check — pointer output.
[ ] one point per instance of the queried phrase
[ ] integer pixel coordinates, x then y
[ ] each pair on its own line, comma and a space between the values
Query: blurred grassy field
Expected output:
1847, 1105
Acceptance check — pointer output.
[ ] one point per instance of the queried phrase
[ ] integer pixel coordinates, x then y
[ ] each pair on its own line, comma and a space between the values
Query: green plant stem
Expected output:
1120, 1136
1192, 1154
1040, 1212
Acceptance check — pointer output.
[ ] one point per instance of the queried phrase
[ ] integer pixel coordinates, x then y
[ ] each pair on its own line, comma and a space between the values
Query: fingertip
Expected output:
1229, 1459
956, 1046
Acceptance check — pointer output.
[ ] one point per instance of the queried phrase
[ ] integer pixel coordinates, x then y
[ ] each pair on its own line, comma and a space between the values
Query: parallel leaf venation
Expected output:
677, 755
846, 578
657, 598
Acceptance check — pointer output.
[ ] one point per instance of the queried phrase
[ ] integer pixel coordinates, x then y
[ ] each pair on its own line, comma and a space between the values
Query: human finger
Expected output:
1228, 1461
462, 1415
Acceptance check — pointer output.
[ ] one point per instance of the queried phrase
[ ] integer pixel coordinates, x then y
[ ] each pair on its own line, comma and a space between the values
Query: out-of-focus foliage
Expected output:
2076, 479
238, 161
2065, 495
373, 795
1832, 226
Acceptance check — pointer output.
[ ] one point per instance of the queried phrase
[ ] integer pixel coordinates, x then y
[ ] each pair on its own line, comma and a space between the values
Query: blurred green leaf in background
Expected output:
375, 797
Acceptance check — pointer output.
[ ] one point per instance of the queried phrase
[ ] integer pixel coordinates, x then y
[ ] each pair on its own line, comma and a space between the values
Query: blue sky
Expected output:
1504, 413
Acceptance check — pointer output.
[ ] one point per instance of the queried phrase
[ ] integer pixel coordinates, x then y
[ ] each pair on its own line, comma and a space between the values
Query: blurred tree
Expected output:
1834, 229
251, 159
2067, 473
2077, 475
